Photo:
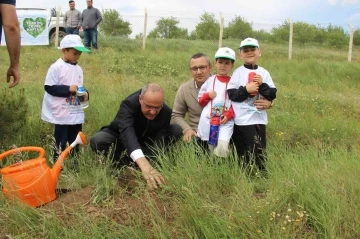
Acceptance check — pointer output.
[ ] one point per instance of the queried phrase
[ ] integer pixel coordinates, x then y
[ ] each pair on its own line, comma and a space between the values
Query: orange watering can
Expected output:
32, 181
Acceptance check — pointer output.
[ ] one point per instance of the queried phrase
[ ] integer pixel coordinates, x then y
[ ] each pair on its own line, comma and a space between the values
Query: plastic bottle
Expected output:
214, 130
80, 93
251, 79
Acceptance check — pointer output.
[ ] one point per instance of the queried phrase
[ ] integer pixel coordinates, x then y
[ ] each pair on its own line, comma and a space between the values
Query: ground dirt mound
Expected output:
79, 201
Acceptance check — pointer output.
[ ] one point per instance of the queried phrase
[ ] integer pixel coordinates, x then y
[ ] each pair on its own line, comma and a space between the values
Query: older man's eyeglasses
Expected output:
196, 68
149, 107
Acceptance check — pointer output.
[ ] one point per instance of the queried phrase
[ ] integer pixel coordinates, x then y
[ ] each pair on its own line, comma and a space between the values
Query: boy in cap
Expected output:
60, 104
248, 83
213, 97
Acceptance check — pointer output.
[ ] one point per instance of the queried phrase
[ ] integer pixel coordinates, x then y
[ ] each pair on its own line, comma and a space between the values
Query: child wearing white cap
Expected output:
60, 105
248, 83
213, 97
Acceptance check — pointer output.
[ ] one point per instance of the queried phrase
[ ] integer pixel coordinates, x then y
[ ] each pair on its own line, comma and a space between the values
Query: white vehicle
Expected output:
50, 21
52, 26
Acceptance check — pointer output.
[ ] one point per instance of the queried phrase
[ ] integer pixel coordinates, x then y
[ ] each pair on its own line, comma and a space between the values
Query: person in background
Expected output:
60, 104
186, 99
10, 23
72, 19
250, 119
213, 97
90, 19
141, 124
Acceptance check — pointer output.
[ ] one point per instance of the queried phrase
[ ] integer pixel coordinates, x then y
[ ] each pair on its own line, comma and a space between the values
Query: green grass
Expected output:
311, 190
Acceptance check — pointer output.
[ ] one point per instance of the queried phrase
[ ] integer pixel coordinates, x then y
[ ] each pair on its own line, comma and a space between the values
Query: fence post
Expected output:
145, 25
291, 38
221, 29
351, 42
57, 26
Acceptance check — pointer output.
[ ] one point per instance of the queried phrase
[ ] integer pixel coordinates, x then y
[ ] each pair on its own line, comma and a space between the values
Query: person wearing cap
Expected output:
249, 88
10, 22
72, 19
186, 99
60, 105
213, 97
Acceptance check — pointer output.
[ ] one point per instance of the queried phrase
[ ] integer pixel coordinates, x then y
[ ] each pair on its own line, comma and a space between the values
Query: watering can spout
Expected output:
80, 139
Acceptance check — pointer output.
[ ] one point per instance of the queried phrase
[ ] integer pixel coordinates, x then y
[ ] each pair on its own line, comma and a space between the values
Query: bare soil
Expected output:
121, 209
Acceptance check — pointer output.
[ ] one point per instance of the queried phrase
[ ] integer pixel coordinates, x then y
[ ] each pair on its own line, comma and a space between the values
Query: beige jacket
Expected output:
186, 101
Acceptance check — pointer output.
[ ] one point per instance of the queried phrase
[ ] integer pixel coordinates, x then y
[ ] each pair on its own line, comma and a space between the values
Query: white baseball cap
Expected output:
73, 41
252, 42
225, 52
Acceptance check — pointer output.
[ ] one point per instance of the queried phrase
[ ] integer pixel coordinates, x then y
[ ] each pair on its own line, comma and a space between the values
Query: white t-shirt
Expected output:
246, 112
62, 110
216, 106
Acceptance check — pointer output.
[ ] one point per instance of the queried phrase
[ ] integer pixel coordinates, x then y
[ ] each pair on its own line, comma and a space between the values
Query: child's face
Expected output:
71, 55
223, 66
250, 55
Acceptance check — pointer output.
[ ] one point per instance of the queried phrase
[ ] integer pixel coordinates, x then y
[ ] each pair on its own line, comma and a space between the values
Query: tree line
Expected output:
208, 28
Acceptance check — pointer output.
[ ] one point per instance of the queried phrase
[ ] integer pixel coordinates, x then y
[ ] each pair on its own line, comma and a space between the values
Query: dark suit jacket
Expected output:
133, 129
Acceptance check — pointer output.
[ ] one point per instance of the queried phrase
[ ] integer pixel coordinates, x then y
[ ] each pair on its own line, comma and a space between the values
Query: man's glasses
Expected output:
149, 107
196, 68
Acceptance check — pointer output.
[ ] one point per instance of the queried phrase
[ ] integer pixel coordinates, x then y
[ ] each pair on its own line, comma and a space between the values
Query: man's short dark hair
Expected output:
71, 1
199, 55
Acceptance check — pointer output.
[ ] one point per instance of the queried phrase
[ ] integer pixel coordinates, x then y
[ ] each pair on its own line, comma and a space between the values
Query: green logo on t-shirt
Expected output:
34, 27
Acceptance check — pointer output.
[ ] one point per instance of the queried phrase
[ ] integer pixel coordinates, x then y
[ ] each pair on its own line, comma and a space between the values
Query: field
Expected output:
312, 189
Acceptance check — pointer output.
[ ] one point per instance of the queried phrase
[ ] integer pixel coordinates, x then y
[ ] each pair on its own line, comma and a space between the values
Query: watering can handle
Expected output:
40, 150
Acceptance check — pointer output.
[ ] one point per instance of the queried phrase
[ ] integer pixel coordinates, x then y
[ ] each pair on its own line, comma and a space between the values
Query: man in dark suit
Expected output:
142, 122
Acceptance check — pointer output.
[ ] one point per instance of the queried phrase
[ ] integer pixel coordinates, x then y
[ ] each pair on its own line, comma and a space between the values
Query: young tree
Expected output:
192, 35
166, 28
357, 37
238, 28
139, 36
336, 37
304, 33
280, 34
262, 35
208, 28
113, 24
320, 35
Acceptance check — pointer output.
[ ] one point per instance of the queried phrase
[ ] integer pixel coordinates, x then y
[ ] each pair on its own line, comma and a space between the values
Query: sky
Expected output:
263, 14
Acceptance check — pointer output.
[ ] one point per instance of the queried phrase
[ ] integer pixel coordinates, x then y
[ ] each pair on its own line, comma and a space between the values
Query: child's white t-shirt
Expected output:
63, 110
216, 106
246, 112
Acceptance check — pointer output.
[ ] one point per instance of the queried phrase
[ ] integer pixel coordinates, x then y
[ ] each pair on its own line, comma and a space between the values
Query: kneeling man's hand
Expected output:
152, 176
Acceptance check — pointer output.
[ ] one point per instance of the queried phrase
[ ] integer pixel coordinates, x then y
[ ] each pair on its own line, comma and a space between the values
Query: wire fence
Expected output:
190, 20
143, 21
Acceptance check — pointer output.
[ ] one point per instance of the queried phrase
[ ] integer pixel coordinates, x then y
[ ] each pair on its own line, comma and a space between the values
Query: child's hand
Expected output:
224, 120
252, 87
212, 94
73, 88
258, 79
86, 97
